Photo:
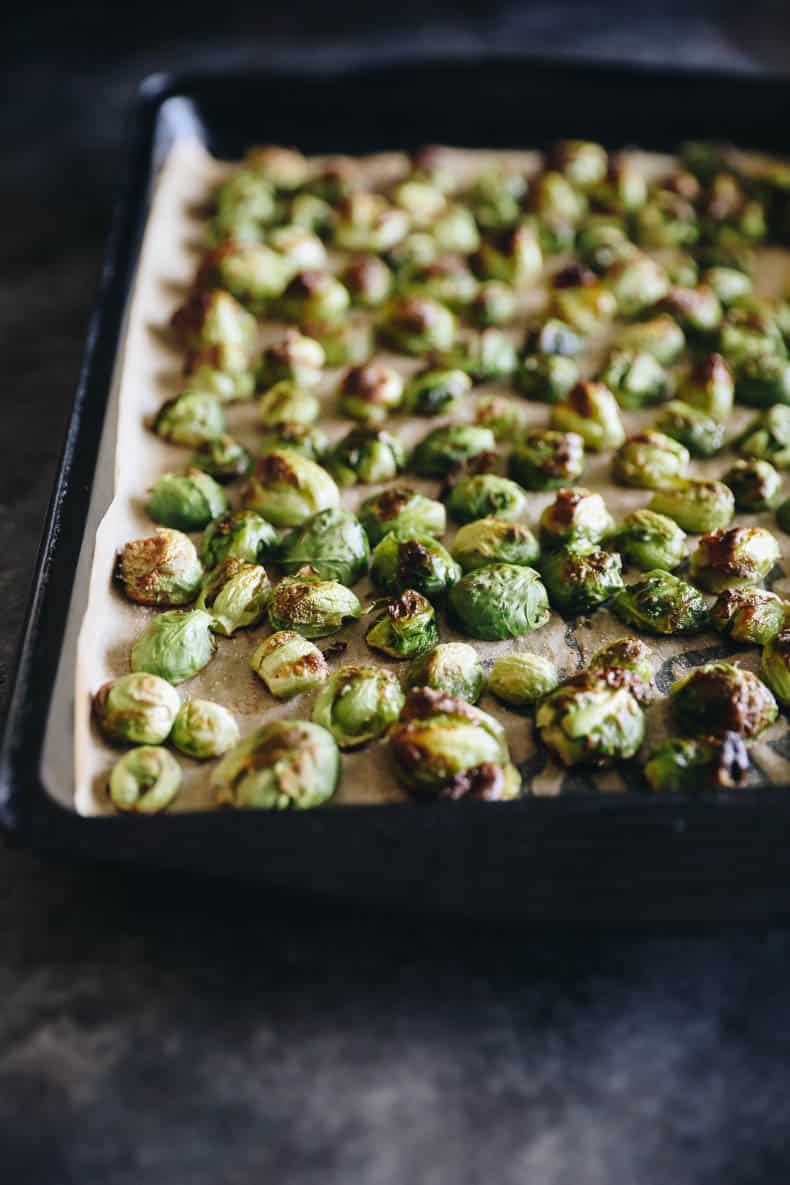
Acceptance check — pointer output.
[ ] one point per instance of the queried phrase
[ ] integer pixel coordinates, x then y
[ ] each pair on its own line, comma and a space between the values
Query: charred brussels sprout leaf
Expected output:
136, 709
203, 729
312, 606
433, 392
547, 460
756, 485
650, 461
499, 601
750, 615
696, 505
162, 569
579, 580
452, 667
576, 517
175, 645
223, 458
289, 664
284, 764
358, 704
366, 455
243, 534
287, 488
718, 698
702, 434
186, 501
407, 627
662, 604
593, 717
732, 558
494, 541
775, 666
191, 418
236, 595
444, 448
522, 679
483, 495
145, 780
768, 437
332, 542
681, 765
408, 561
401, 509
649, 541
590, 410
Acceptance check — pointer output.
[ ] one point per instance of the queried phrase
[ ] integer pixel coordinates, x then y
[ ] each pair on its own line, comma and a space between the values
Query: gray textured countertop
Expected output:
157, 1030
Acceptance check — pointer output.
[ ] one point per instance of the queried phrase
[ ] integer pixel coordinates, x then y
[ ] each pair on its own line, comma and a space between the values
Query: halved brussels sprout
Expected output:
446, 279
547, 460
578, 580
702, 434
203, 729
145, 780
455, 231
294, 358
583, 162
750, 330
662, 604
697, 310
287, 488
522, 679
418, 325
729, 283
223, 458
575, 517
332, 542
625, 654
252, 272
401, 509
751, 615
407, 561
220, 338
315, 296
285, 403
667, 219
434, 392
289, 664
306, 439
442, 449
506, 417
660, 336
499, 601
552, 336
637, 282
136, 709
635, 379
649, 541
358, 704
650, 461
775, 666
718, 698
367, 222
587, 308
421, 200
312, 606
709, 387
443, 747
406, 627
175, 645
494, 541
763, 380
348, 342
768, 437
452, 667
368, 280
681, 765
623, 189
299, 247
512, 255
367, 455
602, 241
756, 485
190, 418
187, 501
245, 204
547, 377
485, 495
732, 558
236, 594
162, 569
593, 717
485, 355
494, 304
243, 534
555, 201
370, 392
284, 168
696, 504
590, 410
284, 764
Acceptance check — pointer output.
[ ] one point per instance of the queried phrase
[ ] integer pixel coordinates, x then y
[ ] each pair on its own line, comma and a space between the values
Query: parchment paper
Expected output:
151, 372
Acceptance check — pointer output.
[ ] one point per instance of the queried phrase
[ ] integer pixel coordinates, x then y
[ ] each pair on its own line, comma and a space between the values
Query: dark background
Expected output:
159, 1030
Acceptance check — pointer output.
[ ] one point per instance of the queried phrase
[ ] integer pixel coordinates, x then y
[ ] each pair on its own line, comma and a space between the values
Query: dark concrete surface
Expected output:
159, 1030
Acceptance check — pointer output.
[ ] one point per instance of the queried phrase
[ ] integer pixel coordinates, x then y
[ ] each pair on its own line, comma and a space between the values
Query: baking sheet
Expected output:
149, 371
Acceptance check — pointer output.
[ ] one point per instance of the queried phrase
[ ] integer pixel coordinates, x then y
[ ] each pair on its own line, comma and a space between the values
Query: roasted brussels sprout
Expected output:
718, 698
775, 666
245, 204
626, 654
494, 541
593, 717
284, 764
422, 201
337, 178
484, 495
401, 509
559, 209
697, 310
506, 417
578, 580
367, 222
289, 664
220, 338
512, 255
283, 168
288, 488
681, 765
406, 627
203, 729
455, 231
442, 449
602, 241
162, 569
312, 606
285, 403
223, 458
191, 418
136, 709
730, 284
300, 248
187, 501
636, 380
499, 601
667, 219
494, 198
701, 433
433, 392
576, 517
734, 557
547, 460
637, 282
649, 541
552, 336
590, 410
175, 645
750, 330
660, 336
624, 188
368, 281
447, 279
315, 296
650, 461
522, 679
407, 561
370, 392
253, 273
366, 455
661, 603
145, 780
236, 594
332, 542
452, 667
763, 380
751, 615
768, 437
709, 387
349, 342
418, 325
494, 303
583, 162
294, 358
547, 377
696, 505
443, 747
243, 534
755, 485
358, 704
587, 308
306, 439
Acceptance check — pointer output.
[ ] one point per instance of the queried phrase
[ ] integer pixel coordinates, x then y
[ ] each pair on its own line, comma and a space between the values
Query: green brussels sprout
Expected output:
522, 679
582, 162
315, 296
762, 380
697, 310
593, 717
696, 505
191, 418
637, 282
332, 542
730, 284
220, 337
775, 666
236, 594
587, 308
366, 455
337, 178
734, 557
203, 729
312, 606
444, 747
709, 387
433, 392
682, 269
483, 495
287, 488
590, 410
187, 501
660, 336
367, 222
175, 645
499, 601
408, 561
555, 201
506, 417
756, 485
289, 664
455, 231
447, 279
623, 189
767, 437
406, 627
749, 330
649, 541
494, 198
718, 698
252, 273
305, 439
484, 355
547, 377
494, 303
452, 667
418, 325
626, 654
401, 509
512, 255
576, 517
750, 615
244, 205
661, 603
416, 250
223, 458
370, 392
650, 461
284, 168
368, 281
144, 780
494, 541
285, 403
422, 201
602, 241
349, 342
666, 220
311, 212
635, 380
701, 433
136, 709
299, 247
579, 580
162, 569
243, 534
681, 765
547, 460
552, 336
358, 704
285, 763
445, 448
